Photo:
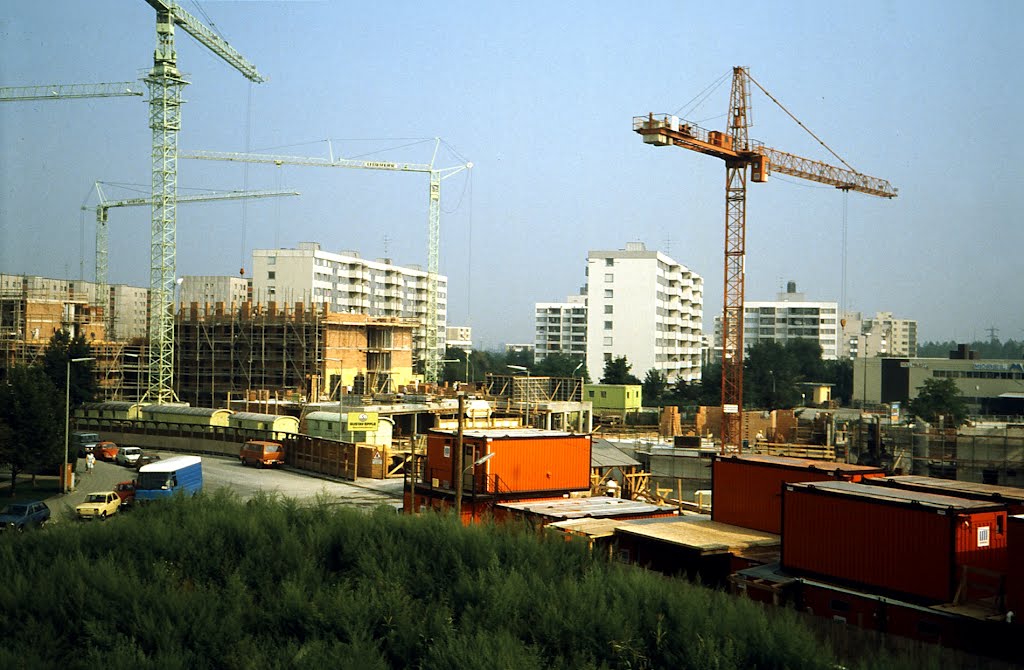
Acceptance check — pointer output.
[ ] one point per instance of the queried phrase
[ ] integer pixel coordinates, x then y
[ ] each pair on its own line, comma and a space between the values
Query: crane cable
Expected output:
809, 132
703, 95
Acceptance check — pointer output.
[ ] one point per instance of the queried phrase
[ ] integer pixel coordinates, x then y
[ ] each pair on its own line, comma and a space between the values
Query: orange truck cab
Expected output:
261, 453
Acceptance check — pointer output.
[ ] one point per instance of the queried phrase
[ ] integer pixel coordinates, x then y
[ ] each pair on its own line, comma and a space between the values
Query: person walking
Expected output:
90, 462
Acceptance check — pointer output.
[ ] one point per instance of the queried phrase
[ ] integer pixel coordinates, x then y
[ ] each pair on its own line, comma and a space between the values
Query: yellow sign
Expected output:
362, 422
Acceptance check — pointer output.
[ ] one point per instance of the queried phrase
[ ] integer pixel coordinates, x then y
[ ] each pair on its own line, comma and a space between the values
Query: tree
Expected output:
939, 397
31, 413
561, 365
61, 349
616, 371
654, 387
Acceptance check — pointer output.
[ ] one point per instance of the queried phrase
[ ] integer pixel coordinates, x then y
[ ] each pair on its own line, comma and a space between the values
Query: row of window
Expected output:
978, 374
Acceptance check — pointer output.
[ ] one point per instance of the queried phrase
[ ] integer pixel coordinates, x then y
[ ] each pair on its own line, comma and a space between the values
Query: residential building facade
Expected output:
882, 335
210, 289
350, 284
561, 328
647, 307
459, 337
789, 317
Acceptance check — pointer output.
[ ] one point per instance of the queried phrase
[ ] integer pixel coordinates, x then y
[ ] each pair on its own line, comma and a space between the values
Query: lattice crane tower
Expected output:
739, 153
165, 85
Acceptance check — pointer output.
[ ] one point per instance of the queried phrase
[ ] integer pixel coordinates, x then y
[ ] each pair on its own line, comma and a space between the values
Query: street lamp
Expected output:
525, 369
67, 417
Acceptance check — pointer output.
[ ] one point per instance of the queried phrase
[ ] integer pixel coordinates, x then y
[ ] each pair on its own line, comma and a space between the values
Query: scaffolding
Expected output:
299, 353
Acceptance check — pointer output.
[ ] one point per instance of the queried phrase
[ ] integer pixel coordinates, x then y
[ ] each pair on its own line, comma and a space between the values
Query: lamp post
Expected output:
522, 368
67, 418
572, 395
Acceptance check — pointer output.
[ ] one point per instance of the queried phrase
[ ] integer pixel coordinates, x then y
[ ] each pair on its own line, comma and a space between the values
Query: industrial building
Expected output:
789, 317
560, 328
350, 284
647, 307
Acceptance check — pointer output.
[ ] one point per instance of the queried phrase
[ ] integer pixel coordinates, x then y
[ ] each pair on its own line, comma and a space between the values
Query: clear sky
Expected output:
540, 97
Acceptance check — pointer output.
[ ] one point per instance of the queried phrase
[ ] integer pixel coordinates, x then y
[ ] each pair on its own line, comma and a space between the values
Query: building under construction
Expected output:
298, 353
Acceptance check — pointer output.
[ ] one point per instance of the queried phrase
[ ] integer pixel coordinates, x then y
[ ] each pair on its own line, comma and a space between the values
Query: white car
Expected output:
128, 456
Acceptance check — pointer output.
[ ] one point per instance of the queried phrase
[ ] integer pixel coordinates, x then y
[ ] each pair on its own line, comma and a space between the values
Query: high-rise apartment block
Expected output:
647, 307
881, 335
790, 317
209, 290
348, 283
561, 328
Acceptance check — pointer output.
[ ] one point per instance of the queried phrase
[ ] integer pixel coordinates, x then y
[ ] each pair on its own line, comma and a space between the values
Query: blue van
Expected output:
165, 478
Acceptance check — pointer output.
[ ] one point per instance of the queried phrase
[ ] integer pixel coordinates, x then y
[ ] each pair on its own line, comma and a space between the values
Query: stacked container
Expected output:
1010, 496
913, 544
747, 490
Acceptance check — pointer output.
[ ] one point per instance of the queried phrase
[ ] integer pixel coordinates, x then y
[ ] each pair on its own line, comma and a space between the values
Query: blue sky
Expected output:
540, 97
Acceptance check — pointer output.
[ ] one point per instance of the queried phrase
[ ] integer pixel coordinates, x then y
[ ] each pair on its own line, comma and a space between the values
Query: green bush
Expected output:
217, 582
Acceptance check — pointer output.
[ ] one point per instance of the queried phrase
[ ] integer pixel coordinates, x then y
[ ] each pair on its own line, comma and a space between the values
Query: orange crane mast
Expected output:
739, 153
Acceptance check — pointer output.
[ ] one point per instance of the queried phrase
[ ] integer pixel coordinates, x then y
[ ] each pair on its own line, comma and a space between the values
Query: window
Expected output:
590, 394
608, 293
607, 309
271, 260
609, 277
983, 536
604, 394
607, 341
271, 274
607, 325
609, 262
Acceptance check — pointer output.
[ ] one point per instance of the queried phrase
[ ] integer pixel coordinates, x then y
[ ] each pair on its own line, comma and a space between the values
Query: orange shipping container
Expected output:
901, 542
1010, 496
524, 460
747, 490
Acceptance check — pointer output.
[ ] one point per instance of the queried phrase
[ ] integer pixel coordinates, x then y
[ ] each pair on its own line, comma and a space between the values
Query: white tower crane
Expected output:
102, 294
432, 357
165, 85
64, 91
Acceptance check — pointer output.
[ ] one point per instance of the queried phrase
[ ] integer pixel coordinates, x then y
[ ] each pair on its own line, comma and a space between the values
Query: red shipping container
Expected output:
1010, 496
1015, 576
747, 490
902, 542
524, 461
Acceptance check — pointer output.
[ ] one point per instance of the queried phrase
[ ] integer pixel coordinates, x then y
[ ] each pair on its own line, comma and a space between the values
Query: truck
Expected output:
84, 442
165, 478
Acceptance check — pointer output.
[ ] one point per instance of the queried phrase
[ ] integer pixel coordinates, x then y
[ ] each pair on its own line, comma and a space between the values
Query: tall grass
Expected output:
214, 582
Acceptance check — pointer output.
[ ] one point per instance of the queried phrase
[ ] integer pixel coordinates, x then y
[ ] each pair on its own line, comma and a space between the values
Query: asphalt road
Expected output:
245, 481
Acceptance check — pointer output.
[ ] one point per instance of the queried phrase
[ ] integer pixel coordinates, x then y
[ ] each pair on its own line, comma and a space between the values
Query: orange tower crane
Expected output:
739, 153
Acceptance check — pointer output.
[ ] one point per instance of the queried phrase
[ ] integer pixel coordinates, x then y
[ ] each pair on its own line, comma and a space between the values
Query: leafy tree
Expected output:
939, 397
616, 371
31, 413
654, 386
62, 348
840, 374
705, 391
561, 365
520, 357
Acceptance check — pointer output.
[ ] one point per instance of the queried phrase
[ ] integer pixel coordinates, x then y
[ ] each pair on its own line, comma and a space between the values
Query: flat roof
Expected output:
495, 433
992, 492
591, 528
592, 507
897, 496
802, 463
170, 464
700, 533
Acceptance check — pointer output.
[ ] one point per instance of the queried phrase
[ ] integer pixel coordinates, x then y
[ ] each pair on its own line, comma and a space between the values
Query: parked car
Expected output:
106, 450
126, 491
19, 516
128, 456
261, 453
99, 505
146, 459
85, 442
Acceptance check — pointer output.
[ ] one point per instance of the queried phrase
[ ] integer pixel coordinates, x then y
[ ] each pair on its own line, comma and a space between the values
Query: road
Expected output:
245, 481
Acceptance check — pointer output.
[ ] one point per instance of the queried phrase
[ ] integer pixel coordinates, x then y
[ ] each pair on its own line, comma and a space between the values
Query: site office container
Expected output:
899, 542
1010, 496
1015, 576
747, 490
524, 461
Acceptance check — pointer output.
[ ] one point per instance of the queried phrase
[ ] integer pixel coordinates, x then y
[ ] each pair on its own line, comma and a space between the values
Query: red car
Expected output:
106, 450
126, 492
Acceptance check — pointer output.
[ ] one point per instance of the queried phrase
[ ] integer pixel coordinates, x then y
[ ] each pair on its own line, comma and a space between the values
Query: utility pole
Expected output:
458, 459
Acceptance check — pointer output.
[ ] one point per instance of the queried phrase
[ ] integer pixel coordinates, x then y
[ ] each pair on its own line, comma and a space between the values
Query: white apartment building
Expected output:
459, 337
560, 328
790, 317
211, 289
882, 335
129, 312
350, 284
647, 307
